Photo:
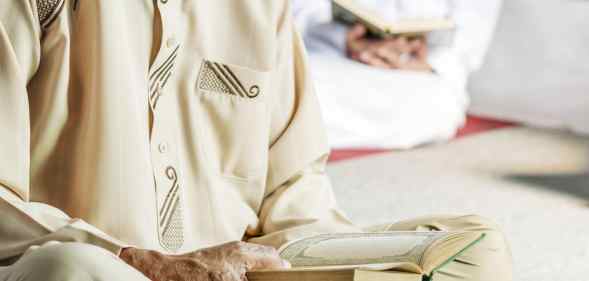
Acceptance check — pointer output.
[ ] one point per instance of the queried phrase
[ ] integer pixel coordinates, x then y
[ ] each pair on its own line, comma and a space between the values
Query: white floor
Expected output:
535, 183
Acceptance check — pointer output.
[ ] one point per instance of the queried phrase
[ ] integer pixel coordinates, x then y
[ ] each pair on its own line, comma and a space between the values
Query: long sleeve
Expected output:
307, 14
299, 200
455, 56
24, 223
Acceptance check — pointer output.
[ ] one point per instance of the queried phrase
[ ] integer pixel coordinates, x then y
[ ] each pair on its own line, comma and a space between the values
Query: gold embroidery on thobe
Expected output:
48, 10
170, 215
210, 80
218, 77
159, 78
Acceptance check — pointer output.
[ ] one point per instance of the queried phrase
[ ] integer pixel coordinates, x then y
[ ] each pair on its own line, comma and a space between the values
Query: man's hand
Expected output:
227, 262
391, 53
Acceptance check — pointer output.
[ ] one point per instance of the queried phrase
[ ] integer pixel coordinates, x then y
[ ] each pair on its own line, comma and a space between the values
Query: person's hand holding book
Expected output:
227, 262
399, 52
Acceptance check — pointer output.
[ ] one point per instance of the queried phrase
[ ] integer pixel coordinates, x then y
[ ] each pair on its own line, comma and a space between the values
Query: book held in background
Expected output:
352, 12
383, 256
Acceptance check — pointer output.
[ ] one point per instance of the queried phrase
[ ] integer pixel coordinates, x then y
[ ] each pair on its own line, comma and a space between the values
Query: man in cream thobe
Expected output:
166, 125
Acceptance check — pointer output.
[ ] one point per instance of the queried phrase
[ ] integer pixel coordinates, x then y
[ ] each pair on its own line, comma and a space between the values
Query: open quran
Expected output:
351, 12
386, 256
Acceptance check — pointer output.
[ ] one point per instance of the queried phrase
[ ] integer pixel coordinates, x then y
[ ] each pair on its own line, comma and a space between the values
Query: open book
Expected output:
351, 12
390, 256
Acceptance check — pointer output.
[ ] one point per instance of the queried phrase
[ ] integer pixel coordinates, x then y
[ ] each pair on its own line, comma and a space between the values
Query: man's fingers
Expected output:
418, 47
356, 32
259, 263
399, 44
371, 58
354, 38
263, 257
390, 56
422, 52
396, 52
355, 41
416, 43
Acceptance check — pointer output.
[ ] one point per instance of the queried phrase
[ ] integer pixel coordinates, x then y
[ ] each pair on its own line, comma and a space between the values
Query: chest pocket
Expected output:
235, 120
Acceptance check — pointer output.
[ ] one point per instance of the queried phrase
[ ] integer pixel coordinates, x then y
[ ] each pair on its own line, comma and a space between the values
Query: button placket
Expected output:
164, 156
168, 180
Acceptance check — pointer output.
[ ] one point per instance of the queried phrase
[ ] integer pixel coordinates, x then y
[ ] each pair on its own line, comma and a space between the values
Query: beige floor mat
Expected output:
535, 183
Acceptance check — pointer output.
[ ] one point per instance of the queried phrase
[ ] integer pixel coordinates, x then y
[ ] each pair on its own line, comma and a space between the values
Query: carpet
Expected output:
533, 182
473, 125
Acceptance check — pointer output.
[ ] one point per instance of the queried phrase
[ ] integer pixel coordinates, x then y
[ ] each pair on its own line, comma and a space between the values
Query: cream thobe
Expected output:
168, 125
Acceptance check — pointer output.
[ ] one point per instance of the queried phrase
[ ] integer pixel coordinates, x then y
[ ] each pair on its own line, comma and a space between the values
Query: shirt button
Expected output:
163, 147
164, 1
171, 42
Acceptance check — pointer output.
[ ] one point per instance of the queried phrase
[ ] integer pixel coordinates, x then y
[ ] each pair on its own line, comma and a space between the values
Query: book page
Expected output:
353, 249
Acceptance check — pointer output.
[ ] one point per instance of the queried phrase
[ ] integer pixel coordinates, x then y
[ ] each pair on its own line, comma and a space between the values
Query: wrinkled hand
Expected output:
397, 52
227, 262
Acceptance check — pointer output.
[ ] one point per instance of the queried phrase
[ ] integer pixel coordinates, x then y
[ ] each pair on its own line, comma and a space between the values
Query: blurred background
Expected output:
489, 117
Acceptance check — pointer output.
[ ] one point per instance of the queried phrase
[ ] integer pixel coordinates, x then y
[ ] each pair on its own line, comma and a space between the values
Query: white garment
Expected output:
397, 109
415, 107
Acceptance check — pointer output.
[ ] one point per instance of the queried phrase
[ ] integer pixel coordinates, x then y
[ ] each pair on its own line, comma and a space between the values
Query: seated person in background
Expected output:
398, 92
137, 145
